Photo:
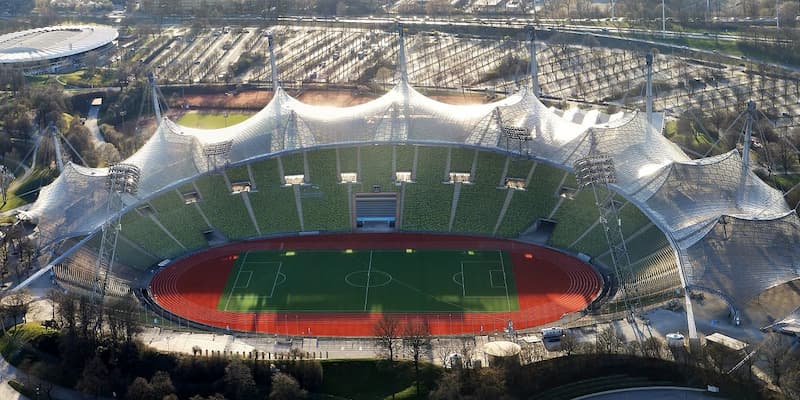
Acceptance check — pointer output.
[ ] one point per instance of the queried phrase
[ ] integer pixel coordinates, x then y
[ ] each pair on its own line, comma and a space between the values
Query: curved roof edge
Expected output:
104, 35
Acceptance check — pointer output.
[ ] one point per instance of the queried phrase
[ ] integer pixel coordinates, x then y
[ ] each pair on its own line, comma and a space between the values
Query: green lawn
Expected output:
27, 192
203, 120
373, 281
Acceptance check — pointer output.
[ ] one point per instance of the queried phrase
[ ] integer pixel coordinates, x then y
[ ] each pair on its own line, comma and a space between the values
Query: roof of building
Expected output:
727, 341
501, 348
53, 42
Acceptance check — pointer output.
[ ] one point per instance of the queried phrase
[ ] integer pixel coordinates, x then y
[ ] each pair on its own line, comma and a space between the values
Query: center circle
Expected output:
375, 277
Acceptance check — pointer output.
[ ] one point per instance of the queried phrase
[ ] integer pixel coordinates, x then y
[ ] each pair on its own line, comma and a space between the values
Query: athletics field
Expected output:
348, 280
341, 285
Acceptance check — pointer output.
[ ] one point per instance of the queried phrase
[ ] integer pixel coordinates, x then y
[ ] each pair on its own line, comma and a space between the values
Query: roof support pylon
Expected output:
272, 63
57, 147
401, 55
154, 90
534, 68
748, 135
649, 89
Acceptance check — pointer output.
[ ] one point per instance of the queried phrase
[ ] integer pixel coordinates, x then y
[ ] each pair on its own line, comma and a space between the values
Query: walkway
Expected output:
8, 372
91, 124
652, 393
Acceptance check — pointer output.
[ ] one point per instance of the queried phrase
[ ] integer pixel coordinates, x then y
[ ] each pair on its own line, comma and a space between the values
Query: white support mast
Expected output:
649, 89
273, 64
401, 55
57, 146
748, 135
534, 68
154, 90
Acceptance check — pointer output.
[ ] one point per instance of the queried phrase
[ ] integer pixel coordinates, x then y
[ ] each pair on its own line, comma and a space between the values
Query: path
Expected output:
8, 372
91, 124
652, 393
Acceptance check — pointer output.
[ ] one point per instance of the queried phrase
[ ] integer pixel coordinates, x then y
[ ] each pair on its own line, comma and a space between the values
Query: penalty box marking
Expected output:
238, 276
233, 288
277, 281
491, 281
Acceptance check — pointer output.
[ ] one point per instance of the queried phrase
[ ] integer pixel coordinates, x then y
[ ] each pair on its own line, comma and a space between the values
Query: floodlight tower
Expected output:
217, 154
521, 135
596, 170
534, 71
123, 179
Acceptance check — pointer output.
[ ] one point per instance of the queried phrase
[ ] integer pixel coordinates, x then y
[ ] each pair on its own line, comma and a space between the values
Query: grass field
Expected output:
195, 119
371, 281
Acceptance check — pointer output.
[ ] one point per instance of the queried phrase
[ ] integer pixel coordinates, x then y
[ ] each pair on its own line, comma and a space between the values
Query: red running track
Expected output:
549, 286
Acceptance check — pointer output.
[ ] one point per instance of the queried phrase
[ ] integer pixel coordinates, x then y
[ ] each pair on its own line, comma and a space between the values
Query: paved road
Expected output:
91, 124
658, 393
7, 373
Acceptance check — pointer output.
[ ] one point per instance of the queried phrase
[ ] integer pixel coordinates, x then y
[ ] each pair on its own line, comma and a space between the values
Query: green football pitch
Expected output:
371, 281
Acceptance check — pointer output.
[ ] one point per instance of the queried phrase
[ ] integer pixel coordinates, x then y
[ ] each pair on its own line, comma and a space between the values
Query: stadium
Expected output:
316, 220
55, 49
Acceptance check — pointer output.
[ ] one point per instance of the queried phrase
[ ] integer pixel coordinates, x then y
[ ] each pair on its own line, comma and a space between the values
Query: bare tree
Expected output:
774, 354
652, 347
388, 331
92, 60
417, 340
443, 350
16, 305
121, 318
468, 350
609, 340
6, 177
569, 343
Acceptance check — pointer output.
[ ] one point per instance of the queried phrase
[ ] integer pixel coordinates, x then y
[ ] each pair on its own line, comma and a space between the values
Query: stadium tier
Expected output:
378, 166
498, 169
427, 204
325, 201
281, 213
225, 211
481, 206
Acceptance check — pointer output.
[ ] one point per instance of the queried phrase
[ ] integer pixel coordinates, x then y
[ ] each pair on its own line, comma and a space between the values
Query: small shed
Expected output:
726, 341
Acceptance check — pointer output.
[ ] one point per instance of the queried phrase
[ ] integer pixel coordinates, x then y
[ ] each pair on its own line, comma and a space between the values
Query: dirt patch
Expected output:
341, 98
251, 99
466, 99
258, 99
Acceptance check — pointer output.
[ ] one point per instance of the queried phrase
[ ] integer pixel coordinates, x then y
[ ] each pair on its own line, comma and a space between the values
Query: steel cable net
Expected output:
684, 198
639, 153
742, 257
549, 132
695, 193
165, 159
72, 205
